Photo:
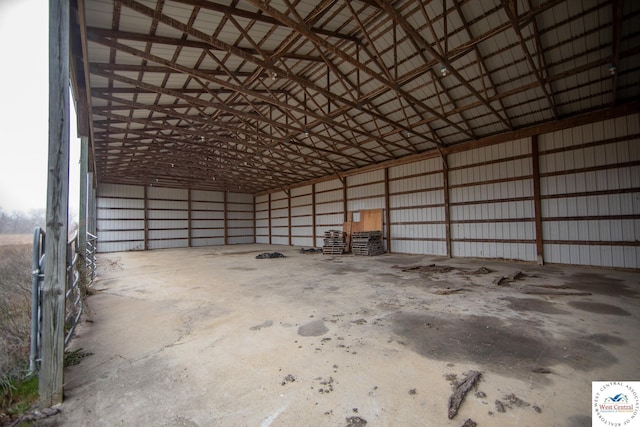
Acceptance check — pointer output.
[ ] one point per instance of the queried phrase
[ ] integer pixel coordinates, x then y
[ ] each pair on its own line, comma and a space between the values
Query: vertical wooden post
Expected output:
255, 237
53, 303
91, 208
225, 214
82, 215
289, 217
387, 210
345, 204
447, 208
146, 219
537, 206
189, 217
269, 216
313, 214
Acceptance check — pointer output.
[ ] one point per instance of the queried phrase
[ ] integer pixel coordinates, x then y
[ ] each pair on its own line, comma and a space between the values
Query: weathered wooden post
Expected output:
82, 214
53, 304
91, 208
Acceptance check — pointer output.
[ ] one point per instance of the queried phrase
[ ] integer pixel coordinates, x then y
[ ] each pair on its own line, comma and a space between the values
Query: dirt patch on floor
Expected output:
314, 328
496, 344
600, 284
599, 307
533, 304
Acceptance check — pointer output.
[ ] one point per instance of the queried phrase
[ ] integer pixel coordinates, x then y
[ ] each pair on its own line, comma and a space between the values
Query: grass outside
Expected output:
17, 392
16, 239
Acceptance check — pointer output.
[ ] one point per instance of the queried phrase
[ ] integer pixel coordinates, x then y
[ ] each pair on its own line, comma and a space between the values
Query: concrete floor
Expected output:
214, 337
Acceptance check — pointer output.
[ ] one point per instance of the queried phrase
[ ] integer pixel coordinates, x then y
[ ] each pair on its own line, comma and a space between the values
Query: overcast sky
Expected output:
24, 108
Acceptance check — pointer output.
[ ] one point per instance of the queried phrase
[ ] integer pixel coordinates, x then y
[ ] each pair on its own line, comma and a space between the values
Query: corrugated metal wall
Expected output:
417, 210
239, 219
120, 212
329, 208
581, 191
263, 227
207, 218
491, 202
590, 191
302, 216
167, 218
138, 218
280, 218
588, 201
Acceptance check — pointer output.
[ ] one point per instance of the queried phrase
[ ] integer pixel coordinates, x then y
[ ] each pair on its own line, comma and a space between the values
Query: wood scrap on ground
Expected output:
449, 291
554, 290
431, 268
503, 280
411, 267
551, 292
456, 399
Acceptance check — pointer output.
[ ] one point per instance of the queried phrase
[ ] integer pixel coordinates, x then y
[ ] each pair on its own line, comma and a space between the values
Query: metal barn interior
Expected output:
482, 129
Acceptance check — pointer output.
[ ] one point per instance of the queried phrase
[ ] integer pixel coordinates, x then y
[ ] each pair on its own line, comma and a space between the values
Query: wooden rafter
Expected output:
294, 90
512, 13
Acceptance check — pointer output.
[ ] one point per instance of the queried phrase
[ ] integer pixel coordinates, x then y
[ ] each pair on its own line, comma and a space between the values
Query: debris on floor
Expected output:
549, 291
449, 291
510, 401
288, 379
431, 268
469, 423
40, 414
481, 270
456, 399
311, 251
356, 422
268, 255
503, 280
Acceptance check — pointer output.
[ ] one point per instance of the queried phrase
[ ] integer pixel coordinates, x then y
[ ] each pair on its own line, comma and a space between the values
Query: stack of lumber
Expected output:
334, 242
368, 243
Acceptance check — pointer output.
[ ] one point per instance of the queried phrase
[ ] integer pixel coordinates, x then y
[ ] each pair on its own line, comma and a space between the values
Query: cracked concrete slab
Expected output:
212, 336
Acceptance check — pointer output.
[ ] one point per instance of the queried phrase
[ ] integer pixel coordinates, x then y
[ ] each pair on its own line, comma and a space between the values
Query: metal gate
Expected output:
81, 271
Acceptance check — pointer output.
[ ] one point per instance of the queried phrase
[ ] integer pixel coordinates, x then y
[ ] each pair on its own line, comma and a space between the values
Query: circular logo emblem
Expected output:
616, 403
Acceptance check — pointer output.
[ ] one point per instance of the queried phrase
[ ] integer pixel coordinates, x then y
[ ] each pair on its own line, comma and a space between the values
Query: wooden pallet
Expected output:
334, 242
367, 243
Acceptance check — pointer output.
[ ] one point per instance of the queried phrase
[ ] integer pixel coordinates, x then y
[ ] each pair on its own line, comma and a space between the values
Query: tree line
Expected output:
18, 222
